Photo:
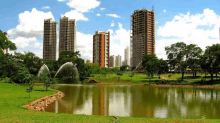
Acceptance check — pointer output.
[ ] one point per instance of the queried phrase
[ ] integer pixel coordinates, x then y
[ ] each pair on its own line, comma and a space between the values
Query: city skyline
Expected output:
175, 22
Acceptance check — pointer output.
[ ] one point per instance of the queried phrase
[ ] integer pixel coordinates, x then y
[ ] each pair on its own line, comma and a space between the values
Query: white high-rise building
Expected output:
127, 59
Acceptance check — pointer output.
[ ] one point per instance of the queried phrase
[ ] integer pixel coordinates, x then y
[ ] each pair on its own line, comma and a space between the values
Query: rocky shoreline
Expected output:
42, 103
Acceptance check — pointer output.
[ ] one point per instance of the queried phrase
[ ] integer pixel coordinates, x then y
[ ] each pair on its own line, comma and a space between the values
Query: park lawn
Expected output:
165, 120
125, 78
13, 96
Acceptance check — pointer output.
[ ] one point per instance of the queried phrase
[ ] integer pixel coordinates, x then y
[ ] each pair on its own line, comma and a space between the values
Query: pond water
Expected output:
137, 101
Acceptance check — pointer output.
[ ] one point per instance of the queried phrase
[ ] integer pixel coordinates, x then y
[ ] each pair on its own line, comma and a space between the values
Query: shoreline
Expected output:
160, 85
42, 103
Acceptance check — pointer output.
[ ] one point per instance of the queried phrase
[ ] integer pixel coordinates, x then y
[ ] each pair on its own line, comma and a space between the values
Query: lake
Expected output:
137, 101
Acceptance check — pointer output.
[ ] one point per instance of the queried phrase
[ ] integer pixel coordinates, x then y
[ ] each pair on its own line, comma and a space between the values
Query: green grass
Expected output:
140, 78
13, 96
165, 120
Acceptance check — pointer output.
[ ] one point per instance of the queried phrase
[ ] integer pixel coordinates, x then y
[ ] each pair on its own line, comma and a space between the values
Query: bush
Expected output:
119, 73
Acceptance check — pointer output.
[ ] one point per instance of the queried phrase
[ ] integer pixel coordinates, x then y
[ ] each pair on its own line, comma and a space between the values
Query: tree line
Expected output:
182, 57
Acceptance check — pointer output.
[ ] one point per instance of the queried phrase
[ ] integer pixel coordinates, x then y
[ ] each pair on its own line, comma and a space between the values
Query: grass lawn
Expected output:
13, 96
140, 78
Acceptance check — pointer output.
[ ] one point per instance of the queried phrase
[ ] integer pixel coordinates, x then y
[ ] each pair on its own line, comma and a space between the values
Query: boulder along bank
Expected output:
42, 103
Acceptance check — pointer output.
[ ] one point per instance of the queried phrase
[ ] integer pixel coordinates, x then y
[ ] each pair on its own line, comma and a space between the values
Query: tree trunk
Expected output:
182, 75
211, 77
195, 74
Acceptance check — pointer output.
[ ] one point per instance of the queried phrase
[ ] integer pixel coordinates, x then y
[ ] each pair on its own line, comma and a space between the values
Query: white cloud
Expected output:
164, 10
113, 15
83, 5
37, 45
46, 7
112, 24
188, 28
30, 24
119, 40
85, 45
61, 0
73, 14
98, 15
156, 22
22, 42
102, 9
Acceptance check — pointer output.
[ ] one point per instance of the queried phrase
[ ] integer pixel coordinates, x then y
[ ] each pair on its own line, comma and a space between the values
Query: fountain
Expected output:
66, 69
42, 69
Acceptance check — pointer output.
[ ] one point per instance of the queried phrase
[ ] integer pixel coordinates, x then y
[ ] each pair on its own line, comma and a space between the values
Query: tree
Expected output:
5, 43
210, 61
124, 67
28, 79
46, 78
131, 75
161, 67
193, 53
147, 58
83, 69
176, 55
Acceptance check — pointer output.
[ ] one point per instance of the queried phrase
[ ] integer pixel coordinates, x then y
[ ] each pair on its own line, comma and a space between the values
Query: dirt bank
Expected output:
42, 103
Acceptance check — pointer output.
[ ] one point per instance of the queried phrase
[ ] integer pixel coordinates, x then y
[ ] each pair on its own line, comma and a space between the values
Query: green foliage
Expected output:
180, 56
124, 67
5, 43
210, 61
131, 75
84, 70
119, 73
47, 79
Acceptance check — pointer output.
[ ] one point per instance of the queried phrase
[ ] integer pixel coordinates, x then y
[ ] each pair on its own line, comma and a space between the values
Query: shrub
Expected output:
119, 73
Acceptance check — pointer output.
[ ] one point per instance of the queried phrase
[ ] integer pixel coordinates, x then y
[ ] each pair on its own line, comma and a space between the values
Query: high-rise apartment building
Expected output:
142, 40
101, 41
50, 40
118, 61
127, 59
67, 35
112, 61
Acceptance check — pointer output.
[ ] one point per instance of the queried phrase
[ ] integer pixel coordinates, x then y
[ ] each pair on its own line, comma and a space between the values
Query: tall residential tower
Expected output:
67, 35
101, 41
142, 40
50, 40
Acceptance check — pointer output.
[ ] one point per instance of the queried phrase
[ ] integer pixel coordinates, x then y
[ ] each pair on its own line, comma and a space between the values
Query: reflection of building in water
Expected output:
120, 100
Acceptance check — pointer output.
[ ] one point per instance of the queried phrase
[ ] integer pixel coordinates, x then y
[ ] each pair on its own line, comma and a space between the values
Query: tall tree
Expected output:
193, 53
211, 59
5, 42
176, 55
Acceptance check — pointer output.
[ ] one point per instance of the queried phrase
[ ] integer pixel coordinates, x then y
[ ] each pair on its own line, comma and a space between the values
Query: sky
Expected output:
189, 21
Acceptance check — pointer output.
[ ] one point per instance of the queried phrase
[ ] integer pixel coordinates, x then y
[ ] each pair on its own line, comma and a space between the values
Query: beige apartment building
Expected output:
142, 40
49, 40
118, 61
101, 41
67, 35
112, 61
127, 59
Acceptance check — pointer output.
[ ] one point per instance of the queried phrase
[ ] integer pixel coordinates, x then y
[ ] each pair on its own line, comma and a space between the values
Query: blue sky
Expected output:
190, 21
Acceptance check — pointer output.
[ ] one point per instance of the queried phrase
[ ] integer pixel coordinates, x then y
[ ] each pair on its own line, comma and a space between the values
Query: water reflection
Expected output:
137, 101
